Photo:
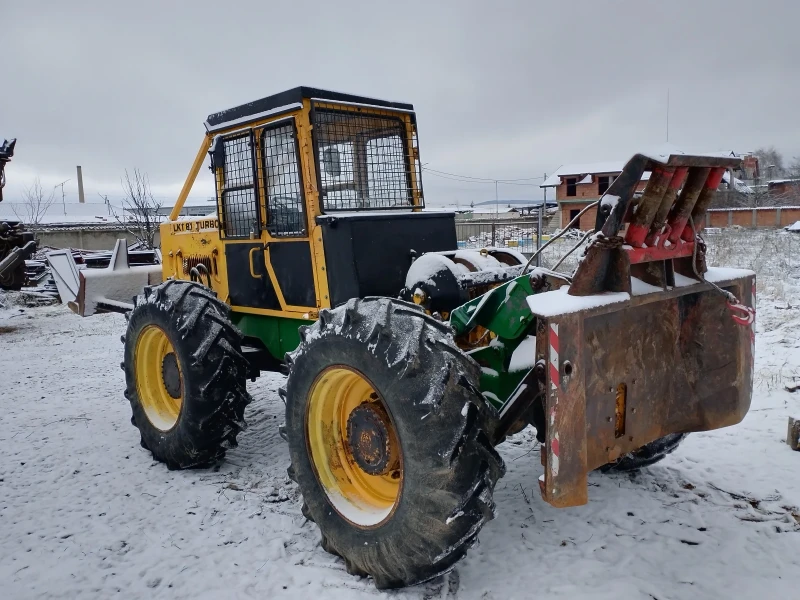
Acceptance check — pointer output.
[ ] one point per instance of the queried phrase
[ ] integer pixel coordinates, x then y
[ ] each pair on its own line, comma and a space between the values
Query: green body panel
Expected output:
279, 334
497, 383
504, 311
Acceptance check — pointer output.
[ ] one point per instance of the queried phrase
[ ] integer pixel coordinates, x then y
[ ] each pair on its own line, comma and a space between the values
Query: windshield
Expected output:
363, 160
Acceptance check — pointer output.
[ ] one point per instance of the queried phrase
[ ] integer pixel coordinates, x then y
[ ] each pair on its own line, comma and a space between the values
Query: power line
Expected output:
479, 179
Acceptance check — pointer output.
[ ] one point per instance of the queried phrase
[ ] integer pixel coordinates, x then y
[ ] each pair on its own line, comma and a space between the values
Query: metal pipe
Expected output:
539, 235
190, 179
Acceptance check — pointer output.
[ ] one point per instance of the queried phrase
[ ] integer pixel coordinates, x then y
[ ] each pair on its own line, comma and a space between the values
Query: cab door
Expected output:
267, 249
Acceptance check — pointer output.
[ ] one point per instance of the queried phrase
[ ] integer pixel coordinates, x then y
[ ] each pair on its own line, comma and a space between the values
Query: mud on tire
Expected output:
213, 373
443, 426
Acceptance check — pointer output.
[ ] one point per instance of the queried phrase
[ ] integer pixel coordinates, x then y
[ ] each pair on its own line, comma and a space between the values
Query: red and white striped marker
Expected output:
555, 378
554, 374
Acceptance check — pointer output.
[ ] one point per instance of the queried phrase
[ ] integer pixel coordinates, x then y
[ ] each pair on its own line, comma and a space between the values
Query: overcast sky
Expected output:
502, 89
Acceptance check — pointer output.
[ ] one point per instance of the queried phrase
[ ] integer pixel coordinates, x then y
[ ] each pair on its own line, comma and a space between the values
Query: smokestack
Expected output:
81, 199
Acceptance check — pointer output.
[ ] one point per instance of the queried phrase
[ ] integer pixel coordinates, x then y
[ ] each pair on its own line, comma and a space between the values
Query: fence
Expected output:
764, 216
519, 235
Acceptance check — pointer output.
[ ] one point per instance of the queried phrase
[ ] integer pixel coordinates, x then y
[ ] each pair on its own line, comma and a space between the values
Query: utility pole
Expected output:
105, 200
63, 195
542, 208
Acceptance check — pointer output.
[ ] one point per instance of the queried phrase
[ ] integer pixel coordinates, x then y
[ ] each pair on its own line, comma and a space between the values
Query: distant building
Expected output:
70, 213
201, 209
784, 188
577, 185
501, 209
749, 170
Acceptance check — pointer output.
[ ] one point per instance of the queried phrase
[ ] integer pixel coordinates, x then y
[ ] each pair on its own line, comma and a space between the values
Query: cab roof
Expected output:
288, 101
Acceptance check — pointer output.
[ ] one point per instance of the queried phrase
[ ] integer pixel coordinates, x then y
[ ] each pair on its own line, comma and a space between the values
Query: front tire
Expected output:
389, 440
185, 374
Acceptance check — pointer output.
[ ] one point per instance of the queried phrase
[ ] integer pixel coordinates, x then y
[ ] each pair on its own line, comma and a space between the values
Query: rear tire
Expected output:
448, 468
185, 374
647, 455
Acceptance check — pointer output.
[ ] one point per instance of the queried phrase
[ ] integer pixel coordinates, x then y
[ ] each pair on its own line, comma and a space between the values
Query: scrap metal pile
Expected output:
41, 285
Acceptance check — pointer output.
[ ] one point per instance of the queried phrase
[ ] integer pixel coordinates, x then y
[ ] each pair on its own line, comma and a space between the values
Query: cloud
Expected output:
507, 89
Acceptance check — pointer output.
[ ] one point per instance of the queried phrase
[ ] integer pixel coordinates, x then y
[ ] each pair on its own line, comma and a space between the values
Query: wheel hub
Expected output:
371, 441
158, 378
171, 375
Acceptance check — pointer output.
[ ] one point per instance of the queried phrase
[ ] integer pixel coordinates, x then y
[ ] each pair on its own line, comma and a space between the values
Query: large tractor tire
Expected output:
185, 374
389, 440
647, 455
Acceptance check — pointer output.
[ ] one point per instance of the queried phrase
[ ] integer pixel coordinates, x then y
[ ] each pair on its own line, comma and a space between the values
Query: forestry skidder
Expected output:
409, 360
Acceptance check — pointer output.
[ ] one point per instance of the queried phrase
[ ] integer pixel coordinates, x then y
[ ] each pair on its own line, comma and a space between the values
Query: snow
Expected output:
717, 274
86, 512
794, 227
427, 266
609, 200
684, 281
70, 213
640, 288
524, 356
251, 118
738, 184
611, 167
559, 302
490, 270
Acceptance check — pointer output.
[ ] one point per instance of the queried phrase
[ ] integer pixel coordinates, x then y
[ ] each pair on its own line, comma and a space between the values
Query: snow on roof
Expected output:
738, 184
794, 180
71, 212
614, 166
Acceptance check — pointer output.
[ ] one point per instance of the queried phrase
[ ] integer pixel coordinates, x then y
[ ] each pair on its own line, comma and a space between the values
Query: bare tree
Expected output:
770, 162
140, 215
793, 170
34, 204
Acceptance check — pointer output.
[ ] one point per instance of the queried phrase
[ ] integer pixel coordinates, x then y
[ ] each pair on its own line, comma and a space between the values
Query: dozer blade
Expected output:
646, 341
111, 289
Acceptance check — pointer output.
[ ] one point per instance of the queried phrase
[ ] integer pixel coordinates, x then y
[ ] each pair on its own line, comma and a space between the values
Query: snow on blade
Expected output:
559, 302
640, 288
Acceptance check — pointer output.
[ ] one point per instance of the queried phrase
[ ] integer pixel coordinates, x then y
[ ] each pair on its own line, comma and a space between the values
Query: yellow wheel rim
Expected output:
155, 357
362, 498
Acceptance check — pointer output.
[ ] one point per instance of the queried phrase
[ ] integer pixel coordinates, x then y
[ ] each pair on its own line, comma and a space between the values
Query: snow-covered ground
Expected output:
86, 513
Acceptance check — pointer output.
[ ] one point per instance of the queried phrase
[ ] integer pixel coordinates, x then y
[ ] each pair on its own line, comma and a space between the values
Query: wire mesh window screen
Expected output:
282, 182
239, 197
363, 160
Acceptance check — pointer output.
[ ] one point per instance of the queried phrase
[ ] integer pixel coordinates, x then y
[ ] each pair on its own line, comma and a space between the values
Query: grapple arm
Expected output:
643, 341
